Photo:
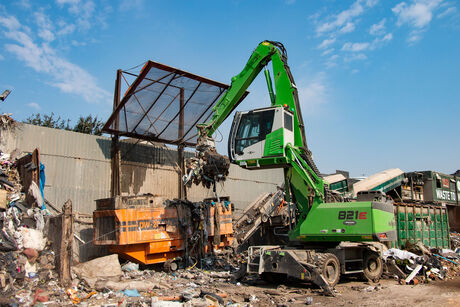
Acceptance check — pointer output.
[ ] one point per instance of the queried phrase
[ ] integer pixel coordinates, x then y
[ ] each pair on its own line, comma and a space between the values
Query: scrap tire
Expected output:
372, 266
329, 267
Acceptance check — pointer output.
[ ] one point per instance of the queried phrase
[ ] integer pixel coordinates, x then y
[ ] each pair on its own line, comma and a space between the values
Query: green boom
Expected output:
316, 220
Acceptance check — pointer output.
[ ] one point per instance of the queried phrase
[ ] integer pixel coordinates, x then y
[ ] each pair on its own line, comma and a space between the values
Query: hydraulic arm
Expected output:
285, 89
274, 137
283, 96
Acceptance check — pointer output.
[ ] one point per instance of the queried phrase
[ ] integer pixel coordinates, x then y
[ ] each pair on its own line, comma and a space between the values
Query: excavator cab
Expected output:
260, 133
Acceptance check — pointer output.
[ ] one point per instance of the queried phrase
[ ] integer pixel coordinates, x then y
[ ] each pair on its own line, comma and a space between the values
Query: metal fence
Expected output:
77, 167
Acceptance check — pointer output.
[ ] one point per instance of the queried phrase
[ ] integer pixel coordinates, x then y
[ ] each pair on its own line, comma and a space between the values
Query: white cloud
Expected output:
418, 14
46, 34
126, 5
331, 64
2, 57
82, 9
73, 2
371, 3
45, 26
349, 27
448, 11
360, 47
355, 47
326, 43
355, 71
378, 28
343, 20
34, 105
68, 77
24, 3
355, 57
334, 57
332, 61
77, 43
313, 93
65, 28
414, 36
9, 22
326, 52
387, 37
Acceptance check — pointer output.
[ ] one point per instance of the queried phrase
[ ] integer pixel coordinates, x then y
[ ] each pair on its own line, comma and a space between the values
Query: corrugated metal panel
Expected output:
334, 178
77, 166
376, 180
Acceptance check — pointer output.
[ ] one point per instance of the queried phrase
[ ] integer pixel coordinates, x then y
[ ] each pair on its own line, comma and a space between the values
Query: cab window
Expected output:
253, 128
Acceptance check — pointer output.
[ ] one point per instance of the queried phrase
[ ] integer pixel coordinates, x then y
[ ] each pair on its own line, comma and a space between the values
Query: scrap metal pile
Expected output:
26, 259
455, 239
207, 167
420, 264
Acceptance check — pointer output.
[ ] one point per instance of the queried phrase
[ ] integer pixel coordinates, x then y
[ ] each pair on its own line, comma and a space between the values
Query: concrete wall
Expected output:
77, 166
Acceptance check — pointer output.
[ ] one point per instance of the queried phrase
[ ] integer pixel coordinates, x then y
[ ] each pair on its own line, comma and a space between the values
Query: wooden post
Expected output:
65, 247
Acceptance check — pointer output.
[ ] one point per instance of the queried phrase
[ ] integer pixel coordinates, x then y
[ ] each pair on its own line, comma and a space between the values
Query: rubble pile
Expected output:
6, 121
10, 184
419, 264
214, 284
103, 282
26, 260
455, 240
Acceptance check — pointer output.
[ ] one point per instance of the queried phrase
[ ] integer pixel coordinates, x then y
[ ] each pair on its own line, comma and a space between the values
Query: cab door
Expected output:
249, 129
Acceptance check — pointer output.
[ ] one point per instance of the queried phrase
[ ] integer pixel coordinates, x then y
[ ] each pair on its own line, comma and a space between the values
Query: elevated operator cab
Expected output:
260, 133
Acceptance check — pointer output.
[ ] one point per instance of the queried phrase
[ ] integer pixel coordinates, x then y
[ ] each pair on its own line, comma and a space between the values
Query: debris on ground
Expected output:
29, 274
103, 268
425, 266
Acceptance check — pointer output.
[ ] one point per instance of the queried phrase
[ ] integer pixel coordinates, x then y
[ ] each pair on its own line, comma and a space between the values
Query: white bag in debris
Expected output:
103, 268
34, 190
400, 254
32, 238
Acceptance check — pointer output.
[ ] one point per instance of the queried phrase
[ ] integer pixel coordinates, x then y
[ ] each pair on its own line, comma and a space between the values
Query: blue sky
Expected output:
378, 80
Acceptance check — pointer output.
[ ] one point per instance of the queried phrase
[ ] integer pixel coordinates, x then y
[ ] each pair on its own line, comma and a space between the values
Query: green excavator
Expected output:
327, 238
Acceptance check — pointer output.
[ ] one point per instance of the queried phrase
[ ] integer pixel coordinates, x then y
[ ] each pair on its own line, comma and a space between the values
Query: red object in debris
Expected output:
30, 253
38, 297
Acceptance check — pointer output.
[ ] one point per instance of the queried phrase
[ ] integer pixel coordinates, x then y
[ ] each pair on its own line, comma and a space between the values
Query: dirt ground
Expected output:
350, 293
191, 287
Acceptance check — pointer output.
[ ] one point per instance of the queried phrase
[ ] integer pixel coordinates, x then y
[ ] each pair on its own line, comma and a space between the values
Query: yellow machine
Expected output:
148, 229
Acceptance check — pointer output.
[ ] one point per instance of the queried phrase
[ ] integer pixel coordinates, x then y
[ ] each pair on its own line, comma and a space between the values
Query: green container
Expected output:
421, 223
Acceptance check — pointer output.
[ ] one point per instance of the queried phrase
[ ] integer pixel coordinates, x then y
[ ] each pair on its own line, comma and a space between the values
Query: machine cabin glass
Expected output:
253, 128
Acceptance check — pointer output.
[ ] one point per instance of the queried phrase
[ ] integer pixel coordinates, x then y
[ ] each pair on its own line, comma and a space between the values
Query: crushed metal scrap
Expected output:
207, 167
419, 264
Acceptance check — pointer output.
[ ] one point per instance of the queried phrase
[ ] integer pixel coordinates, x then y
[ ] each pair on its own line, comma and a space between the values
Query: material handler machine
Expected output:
326, 238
